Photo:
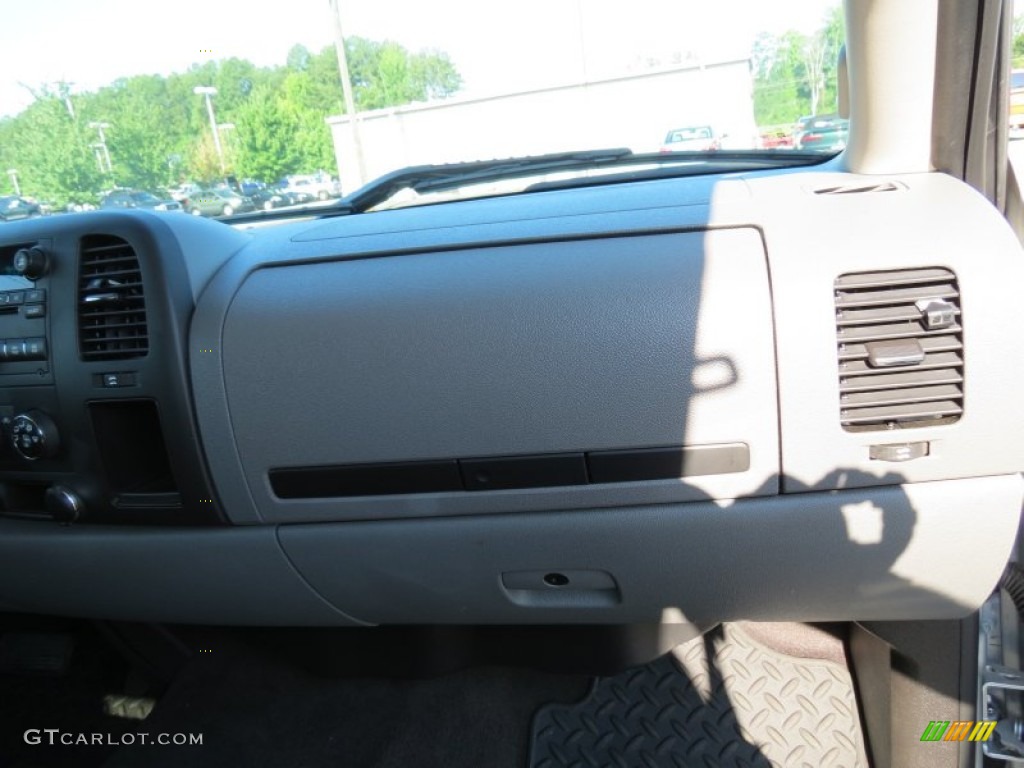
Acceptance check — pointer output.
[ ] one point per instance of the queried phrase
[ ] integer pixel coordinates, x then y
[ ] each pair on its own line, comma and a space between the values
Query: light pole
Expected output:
99, 127
97, 148
346, 88
13, 173
208, 91
64, 92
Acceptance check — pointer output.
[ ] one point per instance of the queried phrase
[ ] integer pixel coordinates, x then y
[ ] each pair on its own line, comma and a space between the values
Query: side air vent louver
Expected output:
859, 189
901, 361
111, 307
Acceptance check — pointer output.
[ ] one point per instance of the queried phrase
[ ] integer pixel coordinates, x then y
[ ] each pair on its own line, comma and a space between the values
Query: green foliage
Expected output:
159, 131
267, 129
1018, 42
298, 58
62, 165
202, 161
384, 74
795, 74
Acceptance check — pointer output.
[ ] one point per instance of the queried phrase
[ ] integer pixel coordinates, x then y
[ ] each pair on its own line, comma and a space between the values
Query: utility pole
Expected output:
208, 91
346, 87
13, 173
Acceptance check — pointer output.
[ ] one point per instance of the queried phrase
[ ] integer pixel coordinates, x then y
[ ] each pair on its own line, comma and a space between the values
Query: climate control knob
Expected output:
34, 435
32, 262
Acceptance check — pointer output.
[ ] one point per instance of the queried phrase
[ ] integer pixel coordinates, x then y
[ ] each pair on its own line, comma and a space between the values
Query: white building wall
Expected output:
635, 111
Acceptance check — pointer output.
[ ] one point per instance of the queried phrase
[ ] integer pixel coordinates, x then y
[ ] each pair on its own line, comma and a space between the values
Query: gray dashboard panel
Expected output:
678, 312
617, 343
659, 206
873, 553
202, 576
804, 564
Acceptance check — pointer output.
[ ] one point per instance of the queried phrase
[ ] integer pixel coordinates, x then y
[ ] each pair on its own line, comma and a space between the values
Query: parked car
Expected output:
250, 187
184, 191
317, 186
77, 207
800, 128
267, 199
13, 208
134, 198
1017, 104
698, 138
297, 196
217, 201
775, 138
826, 134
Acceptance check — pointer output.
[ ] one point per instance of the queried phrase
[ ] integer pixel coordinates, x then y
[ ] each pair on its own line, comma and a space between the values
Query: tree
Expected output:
778, 79
1018, 41
433, 75
829, 40
59, 169
146, 126
795, 74
298, 58
266, 130
159, 129
385, 74
203, 161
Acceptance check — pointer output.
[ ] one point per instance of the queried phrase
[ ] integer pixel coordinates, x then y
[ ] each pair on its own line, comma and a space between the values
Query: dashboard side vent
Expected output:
858, 189
111, 306
901, 362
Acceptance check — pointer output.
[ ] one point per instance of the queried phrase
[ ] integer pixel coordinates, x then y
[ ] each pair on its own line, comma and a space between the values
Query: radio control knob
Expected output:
34, 435
32, 262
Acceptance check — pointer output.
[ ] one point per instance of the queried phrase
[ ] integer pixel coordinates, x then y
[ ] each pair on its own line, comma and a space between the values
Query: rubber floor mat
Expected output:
724, 700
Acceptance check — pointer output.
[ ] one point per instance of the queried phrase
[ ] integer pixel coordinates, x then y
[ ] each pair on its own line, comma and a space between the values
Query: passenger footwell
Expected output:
742, 695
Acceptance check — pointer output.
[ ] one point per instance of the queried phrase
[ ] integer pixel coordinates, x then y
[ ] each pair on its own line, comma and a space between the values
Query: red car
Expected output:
778, 139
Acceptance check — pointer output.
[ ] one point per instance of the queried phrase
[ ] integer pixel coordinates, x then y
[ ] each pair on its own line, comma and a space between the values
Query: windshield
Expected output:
321, 97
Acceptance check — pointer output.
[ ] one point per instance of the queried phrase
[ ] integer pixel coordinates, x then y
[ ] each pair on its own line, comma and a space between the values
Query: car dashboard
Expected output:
776, 395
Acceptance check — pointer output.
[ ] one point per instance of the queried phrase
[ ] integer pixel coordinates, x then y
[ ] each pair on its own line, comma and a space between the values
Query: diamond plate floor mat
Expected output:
726, 700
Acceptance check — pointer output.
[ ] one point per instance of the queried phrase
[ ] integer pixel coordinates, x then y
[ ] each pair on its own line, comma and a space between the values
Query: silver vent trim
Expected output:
900, 349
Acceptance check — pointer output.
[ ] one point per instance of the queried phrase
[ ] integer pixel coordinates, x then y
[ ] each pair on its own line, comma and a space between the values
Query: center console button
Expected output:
15, 349
35, 348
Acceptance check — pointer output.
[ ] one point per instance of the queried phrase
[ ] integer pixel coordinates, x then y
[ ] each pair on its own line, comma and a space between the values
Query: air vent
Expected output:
900, 340
858, 189
111, 307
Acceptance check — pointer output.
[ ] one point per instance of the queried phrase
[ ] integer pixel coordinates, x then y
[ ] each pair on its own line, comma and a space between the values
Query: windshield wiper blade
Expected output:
434, 178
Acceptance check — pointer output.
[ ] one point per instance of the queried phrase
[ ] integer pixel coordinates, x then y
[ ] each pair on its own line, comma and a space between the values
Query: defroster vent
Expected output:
901, 362
111, 306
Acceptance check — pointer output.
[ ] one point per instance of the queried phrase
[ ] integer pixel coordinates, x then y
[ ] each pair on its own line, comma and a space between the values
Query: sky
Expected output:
495, 47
